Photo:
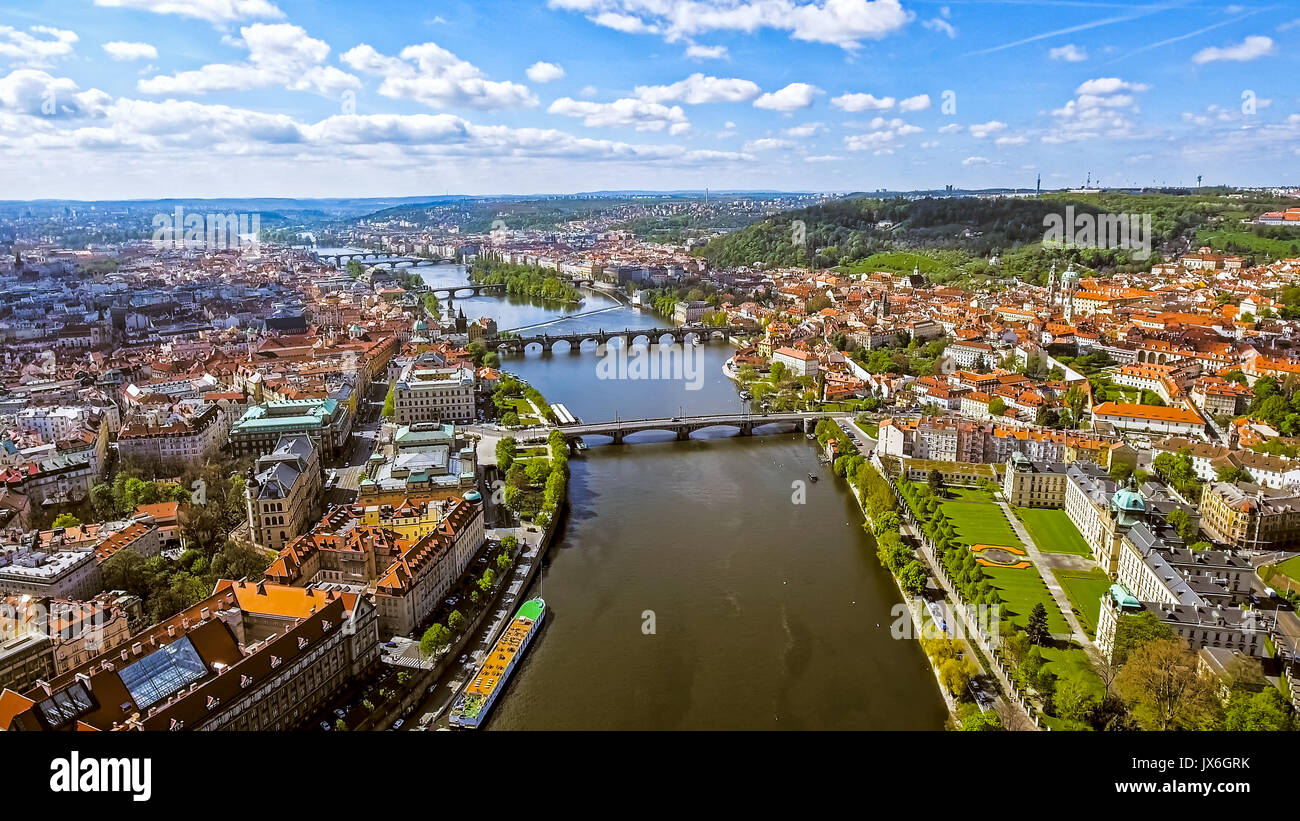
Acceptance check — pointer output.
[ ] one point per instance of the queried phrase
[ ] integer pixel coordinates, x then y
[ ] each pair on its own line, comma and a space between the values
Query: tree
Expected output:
934, 480
912, 578
1264, 711
777, 372
1036, 626
455, 621
505, 452
1182, 522
389, 402
66, 520
1165, 690
435, 640
956, 674
1133, 631
1077, 698
997, 407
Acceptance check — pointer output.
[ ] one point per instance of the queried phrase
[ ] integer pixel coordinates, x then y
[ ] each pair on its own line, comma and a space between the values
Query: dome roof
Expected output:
1129, 500
1070, 274
421, 325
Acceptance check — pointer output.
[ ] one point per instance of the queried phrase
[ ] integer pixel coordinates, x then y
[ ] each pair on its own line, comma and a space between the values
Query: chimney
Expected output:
137, 649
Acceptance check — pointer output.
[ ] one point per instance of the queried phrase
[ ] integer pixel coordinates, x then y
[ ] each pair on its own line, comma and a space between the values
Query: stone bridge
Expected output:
683, 426
377, 258
629, 337
461, 291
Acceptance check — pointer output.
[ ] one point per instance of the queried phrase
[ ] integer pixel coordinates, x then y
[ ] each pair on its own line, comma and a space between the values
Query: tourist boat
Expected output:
812, 477
472, 707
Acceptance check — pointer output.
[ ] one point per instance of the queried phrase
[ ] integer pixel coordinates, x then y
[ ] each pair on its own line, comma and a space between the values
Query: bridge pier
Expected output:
683, 433
747, 429
617, 436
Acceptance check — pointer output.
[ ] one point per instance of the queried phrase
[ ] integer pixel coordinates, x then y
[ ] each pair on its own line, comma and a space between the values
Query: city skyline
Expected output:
147, 98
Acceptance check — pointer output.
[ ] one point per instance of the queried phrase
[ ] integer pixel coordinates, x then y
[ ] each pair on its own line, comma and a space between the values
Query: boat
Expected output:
472, 706
812, 477
581, 445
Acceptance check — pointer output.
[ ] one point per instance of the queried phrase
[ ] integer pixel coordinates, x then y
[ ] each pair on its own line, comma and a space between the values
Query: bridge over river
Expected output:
629, 336
683, 426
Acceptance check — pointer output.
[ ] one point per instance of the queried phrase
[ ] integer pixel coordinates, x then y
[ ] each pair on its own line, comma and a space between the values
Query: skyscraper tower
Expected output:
1038, 186
1051, 288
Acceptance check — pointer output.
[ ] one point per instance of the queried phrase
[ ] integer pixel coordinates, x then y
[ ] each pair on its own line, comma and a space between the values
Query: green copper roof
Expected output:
1122, 597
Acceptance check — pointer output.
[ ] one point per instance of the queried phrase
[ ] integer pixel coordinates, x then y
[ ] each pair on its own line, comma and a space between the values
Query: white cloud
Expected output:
940, 25
822, 158
1069, 53
805, 130
844, 23
976, 162
543, 72
768, 144
1011, 141
213, 11
697, 89
918, 103
628, 112
698, 52
982, 130
432, 76
1252, 48
38, 94
951, 128
1108, 85
862, 102
279, 54
884, 133
40, 48
790, 98
122, 50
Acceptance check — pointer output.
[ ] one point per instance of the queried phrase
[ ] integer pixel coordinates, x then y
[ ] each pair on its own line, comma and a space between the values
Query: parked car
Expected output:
325, 725
338, 711
397, 725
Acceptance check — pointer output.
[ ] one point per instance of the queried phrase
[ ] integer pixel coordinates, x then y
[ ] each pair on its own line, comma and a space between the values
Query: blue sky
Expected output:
143, 98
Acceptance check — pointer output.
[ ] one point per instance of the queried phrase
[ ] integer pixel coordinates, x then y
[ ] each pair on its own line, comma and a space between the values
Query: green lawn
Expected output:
1084, 589
1021, 590
1052, 531
1070, 662
979, 522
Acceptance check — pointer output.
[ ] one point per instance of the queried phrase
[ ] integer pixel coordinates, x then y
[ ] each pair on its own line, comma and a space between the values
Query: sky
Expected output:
121, 99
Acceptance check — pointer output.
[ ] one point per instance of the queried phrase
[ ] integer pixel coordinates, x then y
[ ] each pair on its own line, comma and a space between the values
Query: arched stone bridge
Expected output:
682, 426
461, 291
629, 337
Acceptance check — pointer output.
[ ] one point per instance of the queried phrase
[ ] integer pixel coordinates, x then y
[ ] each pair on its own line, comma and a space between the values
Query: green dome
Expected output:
1128, 506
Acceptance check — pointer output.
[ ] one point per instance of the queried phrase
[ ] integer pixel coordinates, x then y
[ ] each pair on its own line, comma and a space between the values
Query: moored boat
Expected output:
472, 707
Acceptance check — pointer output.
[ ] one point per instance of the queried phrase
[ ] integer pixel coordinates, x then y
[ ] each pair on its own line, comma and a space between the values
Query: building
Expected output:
1244, 515
433, 394
796, 362
326, 421
284, 492
407, 556
1150, 419
689, 312
252, 656
65, 574
1200, 625
971, 354
178, 439
1034, 484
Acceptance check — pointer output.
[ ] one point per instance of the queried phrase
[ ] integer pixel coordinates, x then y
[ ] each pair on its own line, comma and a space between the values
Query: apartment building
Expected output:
1150, 419
1244, 515
796, 362
172, 438
1200, 625
408, 556
283, 494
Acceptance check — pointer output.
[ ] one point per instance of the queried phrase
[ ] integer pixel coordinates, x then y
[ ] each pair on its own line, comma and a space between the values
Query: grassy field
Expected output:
1066, 663
1020, 591
1290, 567
979, 522
1221, 239
1052, 531
1084, 589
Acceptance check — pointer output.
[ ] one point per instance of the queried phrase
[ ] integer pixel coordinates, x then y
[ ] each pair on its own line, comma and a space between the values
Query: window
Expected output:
163, 672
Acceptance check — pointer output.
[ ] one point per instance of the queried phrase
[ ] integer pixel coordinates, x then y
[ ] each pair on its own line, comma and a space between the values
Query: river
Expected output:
690, 587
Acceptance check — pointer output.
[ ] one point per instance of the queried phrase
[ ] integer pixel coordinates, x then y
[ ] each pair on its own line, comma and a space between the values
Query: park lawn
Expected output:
1052, 531
1069, 662
980, 522
969, 494
1290, 567
1021, 590
1084, 588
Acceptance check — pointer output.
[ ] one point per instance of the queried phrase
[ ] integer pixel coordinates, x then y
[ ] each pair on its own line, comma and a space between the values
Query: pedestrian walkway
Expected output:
1046, 562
